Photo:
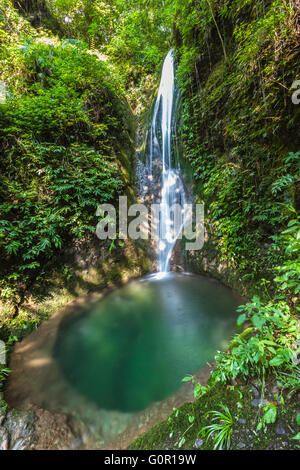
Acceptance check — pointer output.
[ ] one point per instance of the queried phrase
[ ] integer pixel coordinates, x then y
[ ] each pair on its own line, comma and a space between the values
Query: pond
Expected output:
136, 344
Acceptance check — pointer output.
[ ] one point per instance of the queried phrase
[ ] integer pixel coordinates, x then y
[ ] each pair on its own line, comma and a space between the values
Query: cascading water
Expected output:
165, 184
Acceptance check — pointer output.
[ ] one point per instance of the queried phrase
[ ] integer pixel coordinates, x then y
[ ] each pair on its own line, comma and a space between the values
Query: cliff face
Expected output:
238, 64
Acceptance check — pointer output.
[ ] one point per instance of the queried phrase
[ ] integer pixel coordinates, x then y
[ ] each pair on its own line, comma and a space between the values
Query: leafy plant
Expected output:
269, 414
220, 430
270, 345
289, 380
199, 390
60, 155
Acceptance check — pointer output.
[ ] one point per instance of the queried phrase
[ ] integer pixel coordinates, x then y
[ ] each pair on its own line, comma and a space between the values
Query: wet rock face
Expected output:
16, 429
33, 429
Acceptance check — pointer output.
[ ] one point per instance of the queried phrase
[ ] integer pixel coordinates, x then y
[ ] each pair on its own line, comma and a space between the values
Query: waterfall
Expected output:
165, 184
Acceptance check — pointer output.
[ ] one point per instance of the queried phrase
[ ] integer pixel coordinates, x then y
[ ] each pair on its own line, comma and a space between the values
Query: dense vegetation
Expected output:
240, 125
132, 35
63, 125
237, 65
72, 71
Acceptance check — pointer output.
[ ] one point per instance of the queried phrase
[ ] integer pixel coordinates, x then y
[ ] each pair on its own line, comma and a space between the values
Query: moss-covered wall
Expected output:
240, 128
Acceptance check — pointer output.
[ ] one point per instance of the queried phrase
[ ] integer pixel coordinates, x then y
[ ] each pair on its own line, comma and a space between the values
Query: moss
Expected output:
244, 335
239, 124
167, 434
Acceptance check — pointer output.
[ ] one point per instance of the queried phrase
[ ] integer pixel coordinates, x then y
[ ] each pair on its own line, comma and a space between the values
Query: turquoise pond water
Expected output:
135, 345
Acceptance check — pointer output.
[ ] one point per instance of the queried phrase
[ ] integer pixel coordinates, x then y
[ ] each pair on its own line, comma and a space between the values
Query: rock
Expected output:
255, 391
275, 389
2, 415
52, 430
241, 445
258, 401
5, 444
255, 402
198, 443
280, 430
16, 429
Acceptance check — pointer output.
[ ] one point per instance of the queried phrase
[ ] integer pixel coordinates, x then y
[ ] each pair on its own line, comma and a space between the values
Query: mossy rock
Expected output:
245, 413
16, 429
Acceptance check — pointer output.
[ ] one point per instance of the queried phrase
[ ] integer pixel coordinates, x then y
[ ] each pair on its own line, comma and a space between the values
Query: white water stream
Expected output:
165, 183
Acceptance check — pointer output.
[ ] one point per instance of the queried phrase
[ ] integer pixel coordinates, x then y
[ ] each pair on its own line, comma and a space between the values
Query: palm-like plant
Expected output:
220, 430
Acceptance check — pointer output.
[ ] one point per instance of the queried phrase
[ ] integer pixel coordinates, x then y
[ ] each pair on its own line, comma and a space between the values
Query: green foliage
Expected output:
289, 381
269, 414
190, 420
220, 430
271, 345
199, 390
56, 198
243, 211
61, 128
274, 340
65, 118
133, 35
4, 371
238, 125
288, 278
